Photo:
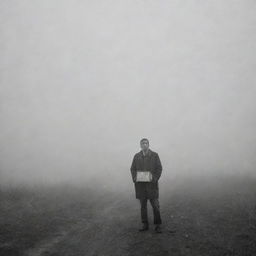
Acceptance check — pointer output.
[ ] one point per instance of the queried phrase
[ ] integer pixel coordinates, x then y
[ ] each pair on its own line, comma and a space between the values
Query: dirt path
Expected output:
112, 231
196, 224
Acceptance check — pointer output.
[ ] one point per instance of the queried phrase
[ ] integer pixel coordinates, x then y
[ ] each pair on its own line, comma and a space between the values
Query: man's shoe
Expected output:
144, 228
158, 229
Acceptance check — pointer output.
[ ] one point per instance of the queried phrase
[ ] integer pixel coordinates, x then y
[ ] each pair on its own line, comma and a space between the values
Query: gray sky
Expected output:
83, 81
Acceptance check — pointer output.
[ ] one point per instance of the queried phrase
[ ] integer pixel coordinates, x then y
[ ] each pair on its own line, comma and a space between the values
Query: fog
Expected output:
83, 81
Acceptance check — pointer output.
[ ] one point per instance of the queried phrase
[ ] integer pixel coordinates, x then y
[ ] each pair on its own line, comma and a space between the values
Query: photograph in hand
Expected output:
143, 176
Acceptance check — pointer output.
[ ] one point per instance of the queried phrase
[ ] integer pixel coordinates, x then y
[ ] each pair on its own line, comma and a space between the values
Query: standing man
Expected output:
147, 161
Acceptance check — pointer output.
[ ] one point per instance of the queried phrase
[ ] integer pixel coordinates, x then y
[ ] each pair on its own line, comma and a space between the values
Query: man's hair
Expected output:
144, 139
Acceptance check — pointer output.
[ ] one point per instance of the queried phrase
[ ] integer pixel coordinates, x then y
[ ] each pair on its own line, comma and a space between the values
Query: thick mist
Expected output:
83, 81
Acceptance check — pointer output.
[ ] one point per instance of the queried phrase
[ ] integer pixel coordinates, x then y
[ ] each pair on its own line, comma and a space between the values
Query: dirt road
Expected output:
111, 231
197, 220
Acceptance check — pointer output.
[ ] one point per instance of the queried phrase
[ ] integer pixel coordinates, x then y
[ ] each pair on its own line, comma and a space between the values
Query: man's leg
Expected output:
144, 210
156, 210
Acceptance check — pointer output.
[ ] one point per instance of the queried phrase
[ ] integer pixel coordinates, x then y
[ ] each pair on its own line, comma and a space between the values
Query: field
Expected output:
211, 217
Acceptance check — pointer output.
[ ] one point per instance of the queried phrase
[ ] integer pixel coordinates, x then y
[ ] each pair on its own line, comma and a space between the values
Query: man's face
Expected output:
144, 145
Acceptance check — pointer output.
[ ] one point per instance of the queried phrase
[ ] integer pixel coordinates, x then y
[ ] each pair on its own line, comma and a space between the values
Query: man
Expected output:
147, 161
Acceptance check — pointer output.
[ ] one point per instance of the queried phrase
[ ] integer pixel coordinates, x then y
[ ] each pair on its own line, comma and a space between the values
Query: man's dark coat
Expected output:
151, 162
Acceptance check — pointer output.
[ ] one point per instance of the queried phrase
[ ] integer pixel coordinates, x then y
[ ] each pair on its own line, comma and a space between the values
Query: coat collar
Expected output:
149, 152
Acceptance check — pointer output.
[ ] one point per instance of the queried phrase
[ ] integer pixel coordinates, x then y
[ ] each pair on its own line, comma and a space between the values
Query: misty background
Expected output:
83, 81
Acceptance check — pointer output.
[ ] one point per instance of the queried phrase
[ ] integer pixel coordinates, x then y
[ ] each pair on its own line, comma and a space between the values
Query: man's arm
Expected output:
158, 169
133, 169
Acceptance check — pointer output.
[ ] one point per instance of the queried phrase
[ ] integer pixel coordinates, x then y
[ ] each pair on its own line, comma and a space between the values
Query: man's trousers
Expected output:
156, 210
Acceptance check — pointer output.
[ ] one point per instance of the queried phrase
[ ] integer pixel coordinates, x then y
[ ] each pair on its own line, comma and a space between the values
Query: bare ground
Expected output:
206, 218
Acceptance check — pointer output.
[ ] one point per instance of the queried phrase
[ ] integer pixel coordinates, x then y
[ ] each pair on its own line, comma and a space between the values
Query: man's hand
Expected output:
154, 179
